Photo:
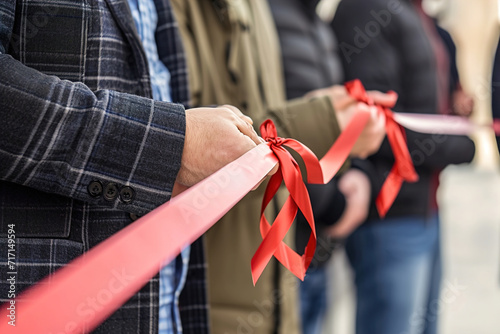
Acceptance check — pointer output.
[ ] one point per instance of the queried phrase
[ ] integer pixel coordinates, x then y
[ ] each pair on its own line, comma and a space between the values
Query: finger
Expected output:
379, 120
238, 113
248, 130
249, 142
244, 123
178, 189
388, 99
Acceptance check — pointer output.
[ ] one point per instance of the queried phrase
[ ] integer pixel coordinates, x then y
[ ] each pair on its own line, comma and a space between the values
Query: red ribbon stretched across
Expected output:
84, 293
402, 169
162, 233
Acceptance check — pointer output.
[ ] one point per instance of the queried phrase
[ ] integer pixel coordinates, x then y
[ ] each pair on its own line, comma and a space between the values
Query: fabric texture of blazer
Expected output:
83, 150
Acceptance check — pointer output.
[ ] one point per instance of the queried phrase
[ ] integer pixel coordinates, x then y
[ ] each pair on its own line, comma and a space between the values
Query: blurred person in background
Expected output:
234, 57
460, 102
311, 62
495, 90
394, 45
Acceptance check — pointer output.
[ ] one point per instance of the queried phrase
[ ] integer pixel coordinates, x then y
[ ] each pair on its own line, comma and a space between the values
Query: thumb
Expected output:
387, 100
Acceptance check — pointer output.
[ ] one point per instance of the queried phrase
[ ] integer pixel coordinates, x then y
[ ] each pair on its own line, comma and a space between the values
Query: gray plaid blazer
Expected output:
83, 149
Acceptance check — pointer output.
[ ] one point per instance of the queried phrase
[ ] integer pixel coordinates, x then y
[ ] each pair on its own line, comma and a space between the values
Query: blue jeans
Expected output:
397, 268
313, 300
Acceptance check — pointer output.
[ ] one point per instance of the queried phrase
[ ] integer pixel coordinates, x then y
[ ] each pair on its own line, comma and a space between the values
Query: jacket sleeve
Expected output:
60, 137
436, 151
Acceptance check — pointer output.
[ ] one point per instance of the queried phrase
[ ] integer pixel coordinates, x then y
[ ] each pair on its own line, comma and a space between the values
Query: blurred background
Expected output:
469, 196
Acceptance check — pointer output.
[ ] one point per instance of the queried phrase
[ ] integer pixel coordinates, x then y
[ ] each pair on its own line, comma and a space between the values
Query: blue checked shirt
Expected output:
173, 275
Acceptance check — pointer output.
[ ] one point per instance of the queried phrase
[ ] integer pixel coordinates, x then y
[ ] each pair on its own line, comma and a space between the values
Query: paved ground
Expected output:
470, 207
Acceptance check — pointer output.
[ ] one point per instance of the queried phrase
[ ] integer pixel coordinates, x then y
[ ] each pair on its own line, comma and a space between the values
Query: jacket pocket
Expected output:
35, 214
52, 38
34, 260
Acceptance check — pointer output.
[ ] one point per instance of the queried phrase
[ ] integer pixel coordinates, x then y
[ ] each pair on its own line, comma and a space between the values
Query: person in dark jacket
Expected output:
390, 45
311, 62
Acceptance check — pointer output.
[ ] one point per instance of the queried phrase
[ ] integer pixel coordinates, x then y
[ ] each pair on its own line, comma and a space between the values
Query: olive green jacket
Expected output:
234, 58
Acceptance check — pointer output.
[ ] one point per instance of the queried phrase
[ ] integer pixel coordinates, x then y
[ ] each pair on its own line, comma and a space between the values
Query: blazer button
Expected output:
134, 217
95, 188
110, 191
127, 195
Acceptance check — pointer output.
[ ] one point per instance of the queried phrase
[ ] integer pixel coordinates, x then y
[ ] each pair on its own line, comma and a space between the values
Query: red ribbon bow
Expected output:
318, 172
402, 169
321, 172
273, 236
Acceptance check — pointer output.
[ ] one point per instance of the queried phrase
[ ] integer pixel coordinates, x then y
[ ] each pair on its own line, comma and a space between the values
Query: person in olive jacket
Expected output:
311, 61
234, 57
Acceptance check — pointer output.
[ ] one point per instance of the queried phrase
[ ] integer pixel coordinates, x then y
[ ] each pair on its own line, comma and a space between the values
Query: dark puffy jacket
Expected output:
384, 44
308, 46
310, 61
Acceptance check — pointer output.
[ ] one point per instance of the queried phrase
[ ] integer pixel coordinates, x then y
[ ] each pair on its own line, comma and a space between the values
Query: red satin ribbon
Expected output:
318, 172
59, 307
289, 171
88, 290
402, 169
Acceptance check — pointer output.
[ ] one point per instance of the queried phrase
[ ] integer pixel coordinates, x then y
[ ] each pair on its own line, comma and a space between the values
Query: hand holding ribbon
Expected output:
403, 169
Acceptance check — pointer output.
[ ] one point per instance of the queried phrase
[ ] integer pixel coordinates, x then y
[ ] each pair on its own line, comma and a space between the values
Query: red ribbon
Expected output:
83, 294
162, 233
402, 169
318, 172
289, 171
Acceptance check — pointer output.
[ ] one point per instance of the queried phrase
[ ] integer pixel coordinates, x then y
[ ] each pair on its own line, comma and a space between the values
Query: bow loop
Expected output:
268, 130
357, 91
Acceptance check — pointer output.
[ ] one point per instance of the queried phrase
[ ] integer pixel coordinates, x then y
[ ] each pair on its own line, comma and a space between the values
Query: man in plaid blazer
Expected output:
84, 150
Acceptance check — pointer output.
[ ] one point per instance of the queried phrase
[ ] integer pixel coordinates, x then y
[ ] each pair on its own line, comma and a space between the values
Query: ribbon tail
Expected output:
388, 192
273, 239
